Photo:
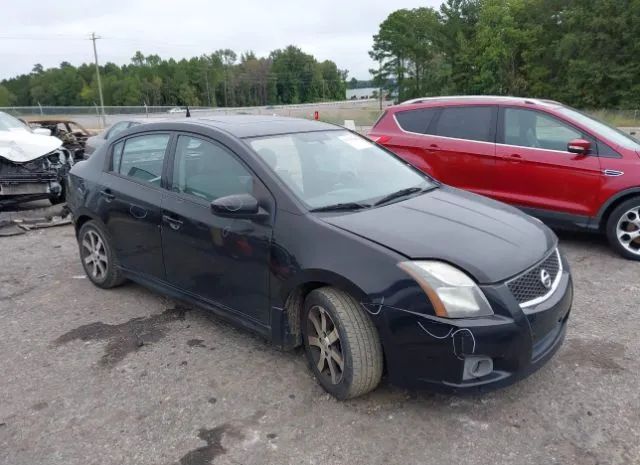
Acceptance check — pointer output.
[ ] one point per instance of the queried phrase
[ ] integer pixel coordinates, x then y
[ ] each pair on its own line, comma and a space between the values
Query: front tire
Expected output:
623, 229
98, 258
341, 343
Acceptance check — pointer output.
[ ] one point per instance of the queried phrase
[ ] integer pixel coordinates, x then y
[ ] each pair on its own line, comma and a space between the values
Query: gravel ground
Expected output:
127, 376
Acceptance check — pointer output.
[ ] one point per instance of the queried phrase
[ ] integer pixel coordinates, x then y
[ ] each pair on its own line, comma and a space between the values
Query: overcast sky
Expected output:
34, 31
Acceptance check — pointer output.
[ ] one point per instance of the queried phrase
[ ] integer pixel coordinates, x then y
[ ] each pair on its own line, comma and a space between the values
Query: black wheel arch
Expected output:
81, 217
295, 291
612, 203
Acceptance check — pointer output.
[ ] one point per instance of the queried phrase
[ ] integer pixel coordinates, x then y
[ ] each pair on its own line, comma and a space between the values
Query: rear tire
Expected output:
97, 256
341, 343
623, 229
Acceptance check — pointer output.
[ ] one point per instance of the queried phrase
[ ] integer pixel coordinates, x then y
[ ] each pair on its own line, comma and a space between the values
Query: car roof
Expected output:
253, 125
140, 120
473, 100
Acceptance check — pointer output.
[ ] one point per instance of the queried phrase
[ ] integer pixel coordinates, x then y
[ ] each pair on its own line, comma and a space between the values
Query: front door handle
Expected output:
515, 157
174, 223
106, 193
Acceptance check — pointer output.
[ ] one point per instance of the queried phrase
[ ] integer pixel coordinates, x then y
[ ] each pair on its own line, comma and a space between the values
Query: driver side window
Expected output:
528, 128
208, 171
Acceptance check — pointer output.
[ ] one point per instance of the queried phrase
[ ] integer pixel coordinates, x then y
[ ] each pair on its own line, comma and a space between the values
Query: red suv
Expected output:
562, 166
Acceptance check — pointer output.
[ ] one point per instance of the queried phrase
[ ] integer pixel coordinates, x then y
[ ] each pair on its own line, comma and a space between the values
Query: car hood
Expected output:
24, 146
488, 239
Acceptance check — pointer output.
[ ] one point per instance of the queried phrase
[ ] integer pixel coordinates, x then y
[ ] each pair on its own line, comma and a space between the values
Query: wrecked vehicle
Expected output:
314, 236
32, 166
72, 134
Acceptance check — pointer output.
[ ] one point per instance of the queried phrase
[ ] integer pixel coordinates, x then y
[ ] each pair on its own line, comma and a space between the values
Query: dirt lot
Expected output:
126, 376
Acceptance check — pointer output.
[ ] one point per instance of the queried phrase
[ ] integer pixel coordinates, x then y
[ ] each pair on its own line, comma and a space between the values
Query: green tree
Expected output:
6, 97
219, 78
408, 50
583, 53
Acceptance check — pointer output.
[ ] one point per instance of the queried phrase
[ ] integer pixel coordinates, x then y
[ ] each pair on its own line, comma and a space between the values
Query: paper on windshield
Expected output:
356, 142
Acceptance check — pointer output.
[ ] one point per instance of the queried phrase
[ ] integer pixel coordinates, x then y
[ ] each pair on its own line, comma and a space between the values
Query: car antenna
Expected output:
188, 115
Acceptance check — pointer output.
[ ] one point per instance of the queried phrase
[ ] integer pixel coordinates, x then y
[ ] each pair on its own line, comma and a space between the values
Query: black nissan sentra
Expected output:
311, 235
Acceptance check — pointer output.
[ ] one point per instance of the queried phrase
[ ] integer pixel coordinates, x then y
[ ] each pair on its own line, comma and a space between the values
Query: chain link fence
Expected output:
362, 112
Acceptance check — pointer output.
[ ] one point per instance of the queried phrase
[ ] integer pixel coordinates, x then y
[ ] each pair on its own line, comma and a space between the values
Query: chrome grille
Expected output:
529, 289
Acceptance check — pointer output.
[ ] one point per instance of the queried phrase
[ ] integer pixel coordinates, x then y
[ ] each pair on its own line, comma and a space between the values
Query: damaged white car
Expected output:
33, 165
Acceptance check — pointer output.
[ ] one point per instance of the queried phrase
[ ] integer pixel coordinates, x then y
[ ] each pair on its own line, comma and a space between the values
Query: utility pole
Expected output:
380, 82
206, 80
95, 56
225, 89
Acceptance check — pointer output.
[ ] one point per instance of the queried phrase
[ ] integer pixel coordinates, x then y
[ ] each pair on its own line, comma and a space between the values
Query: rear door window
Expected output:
116, 129
416, 120
141, 157
469, 123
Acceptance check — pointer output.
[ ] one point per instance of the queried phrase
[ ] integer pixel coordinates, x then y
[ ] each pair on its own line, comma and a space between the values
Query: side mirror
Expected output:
42, 131
241, 206
579, 146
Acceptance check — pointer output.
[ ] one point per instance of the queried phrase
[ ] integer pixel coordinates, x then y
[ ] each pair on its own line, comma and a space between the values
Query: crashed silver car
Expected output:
33, 165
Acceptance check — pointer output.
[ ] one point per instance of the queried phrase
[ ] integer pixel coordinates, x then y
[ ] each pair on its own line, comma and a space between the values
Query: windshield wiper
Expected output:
341, 206
401, 193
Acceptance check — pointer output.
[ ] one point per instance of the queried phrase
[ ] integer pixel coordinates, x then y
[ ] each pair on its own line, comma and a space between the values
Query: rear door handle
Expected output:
432, 148
106, 193
174, 223
137, 211
515, 157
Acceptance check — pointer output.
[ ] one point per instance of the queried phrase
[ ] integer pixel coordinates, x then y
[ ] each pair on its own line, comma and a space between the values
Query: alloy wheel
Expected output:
628, 230
94, 255
324, 343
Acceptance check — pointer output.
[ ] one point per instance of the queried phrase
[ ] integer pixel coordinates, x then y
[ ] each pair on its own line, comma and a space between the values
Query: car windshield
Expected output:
9, 123
601, 128
338, 168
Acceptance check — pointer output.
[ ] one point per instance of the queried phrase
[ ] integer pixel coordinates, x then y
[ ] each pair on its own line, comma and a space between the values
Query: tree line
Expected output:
584, 53
285, 76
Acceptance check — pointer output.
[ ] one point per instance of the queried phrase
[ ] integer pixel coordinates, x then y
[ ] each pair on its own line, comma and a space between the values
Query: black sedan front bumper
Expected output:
441, 354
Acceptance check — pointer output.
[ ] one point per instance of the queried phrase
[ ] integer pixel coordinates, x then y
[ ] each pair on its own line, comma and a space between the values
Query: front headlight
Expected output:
452, 292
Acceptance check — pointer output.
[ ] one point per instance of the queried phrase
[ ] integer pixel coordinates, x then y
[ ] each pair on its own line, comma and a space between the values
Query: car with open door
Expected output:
309, 234
558, 164
72, 134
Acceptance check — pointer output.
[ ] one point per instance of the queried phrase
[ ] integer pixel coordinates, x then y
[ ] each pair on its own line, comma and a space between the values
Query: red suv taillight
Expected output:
380, 139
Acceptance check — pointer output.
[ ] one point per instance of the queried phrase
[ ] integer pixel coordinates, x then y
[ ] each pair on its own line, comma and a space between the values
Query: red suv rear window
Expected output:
416, 120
